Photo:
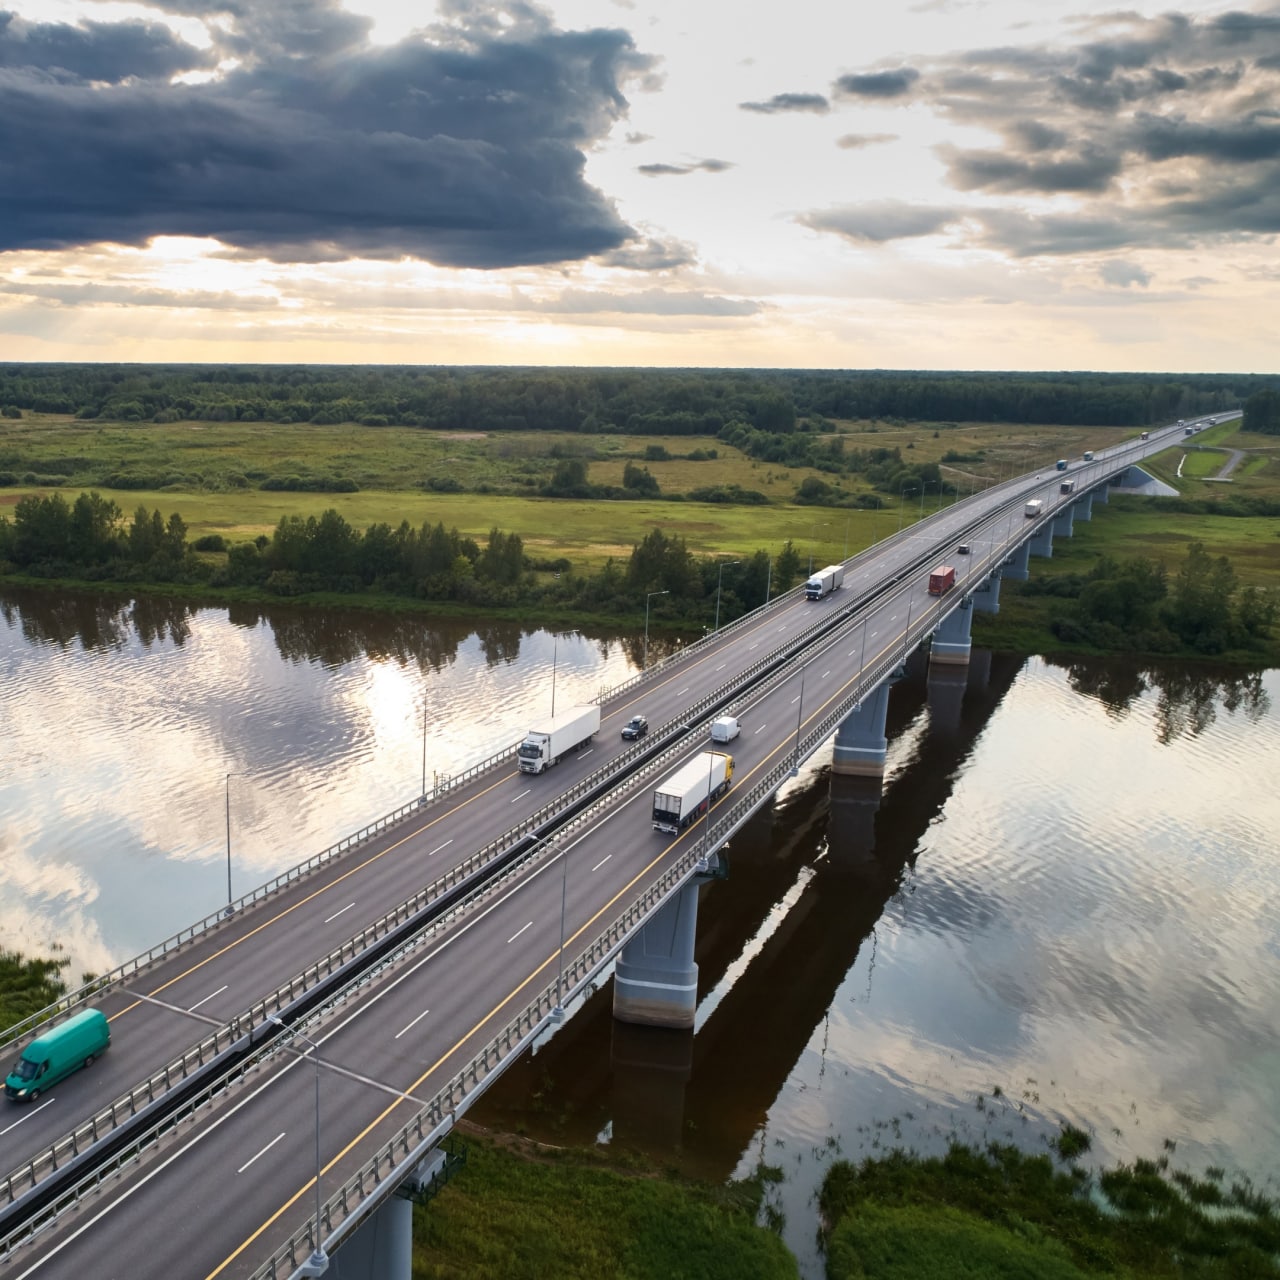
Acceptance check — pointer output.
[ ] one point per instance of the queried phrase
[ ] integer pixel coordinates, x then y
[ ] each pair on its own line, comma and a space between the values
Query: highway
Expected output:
219, 1195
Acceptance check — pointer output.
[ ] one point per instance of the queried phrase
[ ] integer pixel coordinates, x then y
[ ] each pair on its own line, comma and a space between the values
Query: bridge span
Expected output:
298, 1061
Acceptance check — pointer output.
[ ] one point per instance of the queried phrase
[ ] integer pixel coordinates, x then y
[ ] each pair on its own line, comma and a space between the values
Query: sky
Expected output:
947, 184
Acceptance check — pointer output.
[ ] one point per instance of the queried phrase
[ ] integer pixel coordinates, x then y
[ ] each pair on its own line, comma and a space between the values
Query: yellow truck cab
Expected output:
55, 1053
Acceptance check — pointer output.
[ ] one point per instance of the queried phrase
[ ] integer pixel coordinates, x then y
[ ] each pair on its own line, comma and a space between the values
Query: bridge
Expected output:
283, 1073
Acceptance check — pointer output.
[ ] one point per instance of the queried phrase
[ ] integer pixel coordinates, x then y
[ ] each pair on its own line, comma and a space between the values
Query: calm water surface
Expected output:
1062, 905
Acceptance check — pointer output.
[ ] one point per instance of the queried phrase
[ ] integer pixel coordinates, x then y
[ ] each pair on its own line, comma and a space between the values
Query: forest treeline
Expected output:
1138, 605
91, 539
1262, 412
693, 402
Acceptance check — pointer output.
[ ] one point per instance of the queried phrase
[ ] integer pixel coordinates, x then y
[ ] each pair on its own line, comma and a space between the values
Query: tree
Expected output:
94, 528
639, 480
786, 569
1262, 413
1199, 610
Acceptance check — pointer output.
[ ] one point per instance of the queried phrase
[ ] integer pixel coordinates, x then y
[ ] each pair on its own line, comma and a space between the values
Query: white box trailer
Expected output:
688, 792
549, 739
825, 581
1034, 508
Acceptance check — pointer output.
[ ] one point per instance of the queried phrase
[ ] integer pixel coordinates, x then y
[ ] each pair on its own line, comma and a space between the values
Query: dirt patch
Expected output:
463, 435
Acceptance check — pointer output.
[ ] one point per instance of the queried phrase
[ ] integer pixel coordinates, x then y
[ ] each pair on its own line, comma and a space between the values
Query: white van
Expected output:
724, 729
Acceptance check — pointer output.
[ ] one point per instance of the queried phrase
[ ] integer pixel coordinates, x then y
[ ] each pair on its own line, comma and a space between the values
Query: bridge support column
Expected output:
1018, 565
986, 598
951, 641
1062, 522
655, 983
1084, 507
1042, 543
861, 743
1102, 493
382, 1248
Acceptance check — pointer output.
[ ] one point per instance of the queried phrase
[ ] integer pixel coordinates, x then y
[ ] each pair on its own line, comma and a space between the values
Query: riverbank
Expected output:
1044, 614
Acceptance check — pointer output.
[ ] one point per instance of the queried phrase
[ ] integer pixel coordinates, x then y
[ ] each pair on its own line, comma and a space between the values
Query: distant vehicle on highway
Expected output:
635, 728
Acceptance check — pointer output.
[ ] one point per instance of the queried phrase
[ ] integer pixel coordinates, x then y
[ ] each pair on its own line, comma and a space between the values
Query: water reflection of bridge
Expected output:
809, 879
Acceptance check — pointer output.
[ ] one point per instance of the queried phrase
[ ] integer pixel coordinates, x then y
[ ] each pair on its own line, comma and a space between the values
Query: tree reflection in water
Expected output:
1187, 695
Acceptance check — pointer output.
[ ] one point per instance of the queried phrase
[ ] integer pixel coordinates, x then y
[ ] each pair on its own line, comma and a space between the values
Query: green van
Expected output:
56, 1053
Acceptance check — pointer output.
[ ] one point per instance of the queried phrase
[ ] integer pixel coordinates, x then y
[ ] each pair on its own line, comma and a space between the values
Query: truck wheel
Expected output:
33, 1095
88, 1062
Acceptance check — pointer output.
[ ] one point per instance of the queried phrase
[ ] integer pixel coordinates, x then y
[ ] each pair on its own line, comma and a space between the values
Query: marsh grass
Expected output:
1001, 1213
519, 1210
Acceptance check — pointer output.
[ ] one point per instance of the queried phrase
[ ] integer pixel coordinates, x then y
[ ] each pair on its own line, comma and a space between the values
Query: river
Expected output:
1061, 906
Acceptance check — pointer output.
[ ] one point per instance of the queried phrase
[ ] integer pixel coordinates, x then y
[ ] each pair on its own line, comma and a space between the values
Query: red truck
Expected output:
941, 580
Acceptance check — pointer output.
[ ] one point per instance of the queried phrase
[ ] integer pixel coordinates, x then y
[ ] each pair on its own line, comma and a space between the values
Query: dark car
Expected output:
636, 727
962, 549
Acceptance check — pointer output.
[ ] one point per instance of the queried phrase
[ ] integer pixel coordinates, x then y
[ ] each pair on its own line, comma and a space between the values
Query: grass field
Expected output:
210, 472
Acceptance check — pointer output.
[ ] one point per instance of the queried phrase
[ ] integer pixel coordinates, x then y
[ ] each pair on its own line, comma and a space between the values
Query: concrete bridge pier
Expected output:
1102, 493
951, 640
1018, 565
655, 982
382, 1247
861, 743
1084, 506
986, 597
1062, 522
1042, 543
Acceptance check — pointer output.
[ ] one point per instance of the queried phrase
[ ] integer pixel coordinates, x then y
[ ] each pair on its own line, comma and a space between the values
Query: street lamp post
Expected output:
318, 1263
795, 766
424, 745
768, 580
647, 598
555, 643
901, 494
227, 789
719, 578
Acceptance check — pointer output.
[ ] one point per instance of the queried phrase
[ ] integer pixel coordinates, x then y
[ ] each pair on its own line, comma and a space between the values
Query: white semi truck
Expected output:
824, 582
549, 739
688, 792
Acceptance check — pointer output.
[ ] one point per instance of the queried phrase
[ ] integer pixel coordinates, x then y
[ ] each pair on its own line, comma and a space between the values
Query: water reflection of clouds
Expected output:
117, 745
1080, 908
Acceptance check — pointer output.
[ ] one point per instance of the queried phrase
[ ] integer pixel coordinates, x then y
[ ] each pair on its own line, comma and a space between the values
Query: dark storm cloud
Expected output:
878, 84
780, 102
679, 170
1161, 131
1002, 172
880, 221
466, 150
101, 51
